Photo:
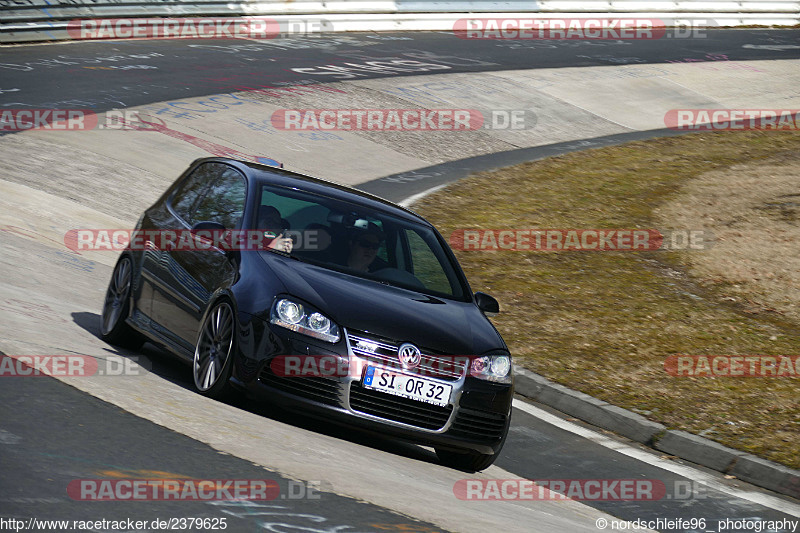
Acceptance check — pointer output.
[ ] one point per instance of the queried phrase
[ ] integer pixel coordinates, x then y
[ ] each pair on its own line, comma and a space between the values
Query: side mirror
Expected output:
214, 233
487, 304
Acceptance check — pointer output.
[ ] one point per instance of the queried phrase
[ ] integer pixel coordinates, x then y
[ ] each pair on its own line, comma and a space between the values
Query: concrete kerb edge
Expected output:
681, 444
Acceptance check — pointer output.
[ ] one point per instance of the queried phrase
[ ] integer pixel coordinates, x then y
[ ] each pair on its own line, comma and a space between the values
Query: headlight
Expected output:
319, 322
492, 368
290, 312
293, 316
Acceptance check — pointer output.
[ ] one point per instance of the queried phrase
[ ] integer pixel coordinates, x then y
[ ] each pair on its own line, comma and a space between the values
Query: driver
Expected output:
363, 246
269, 220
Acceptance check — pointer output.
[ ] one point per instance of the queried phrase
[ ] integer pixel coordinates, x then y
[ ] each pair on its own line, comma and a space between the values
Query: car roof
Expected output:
286, 178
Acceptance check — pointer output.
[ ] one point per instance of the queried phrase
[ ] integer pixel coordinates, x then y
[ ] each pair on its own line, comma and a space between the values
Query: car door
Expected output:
191, 270
169, 215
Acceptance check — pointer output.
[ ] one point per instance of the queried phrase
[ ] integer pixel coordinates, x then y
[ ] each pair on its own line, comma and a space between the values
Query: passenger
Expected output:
363, 247
269, 220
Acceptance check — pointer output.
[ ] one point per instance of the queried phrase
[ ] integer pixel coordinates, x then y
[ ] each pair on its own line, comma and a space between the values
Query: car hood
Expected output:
447, 326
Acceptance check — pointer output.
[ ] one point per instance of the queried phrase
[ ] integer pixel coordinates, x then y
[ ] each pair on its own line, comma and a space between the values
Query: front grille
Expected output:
383, 351
322, 390
398, 409
478, 424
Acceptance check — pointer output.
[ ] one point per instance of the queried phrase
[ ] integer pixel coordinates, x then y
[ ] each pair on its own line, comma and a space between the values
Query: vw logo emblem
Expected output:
409, 355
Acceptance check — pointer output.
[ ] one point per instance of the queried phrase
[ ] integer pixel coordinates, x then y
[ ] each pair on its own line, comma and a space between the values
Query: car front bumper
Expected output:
476, 417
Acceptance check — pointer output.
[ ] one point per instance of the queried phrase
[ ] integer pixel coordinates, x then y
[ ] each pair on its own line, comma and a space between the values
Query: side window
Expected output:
224, 200
426, 267
213, 192
191, 190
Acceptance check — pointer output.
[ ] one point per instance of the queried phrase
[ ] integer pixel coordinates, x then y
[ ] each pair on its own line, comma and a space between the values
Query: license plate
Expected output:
422, 390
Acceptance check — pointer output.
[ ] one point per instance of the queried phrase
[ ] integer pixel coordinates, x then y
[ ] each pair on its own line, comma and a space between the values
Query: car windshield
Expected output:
359, 241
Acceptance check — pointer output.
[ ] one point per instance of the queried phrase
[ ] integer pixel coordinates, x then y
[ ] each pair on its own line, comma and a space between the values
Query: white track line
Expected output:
419, 196
709, 480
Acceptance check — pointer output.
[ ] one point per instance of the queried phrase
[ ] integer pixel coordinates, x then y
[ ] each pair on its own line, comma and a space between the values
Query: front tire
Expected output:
213, 355
116, 306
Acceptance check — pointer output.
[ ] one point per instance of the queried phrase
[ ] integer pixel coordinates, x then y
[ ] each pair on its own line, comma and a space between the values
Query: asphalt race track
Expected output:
219, 95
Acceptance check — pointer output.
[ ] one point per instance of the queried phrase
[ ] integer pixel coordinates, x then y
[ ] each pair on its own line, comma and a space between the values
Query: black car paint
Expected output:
168, 307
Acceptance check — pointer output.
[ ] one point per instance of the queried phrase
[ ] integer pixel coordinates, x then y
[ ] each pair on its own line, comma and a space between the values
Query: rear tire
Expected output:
468, 461
213, 354
113, 329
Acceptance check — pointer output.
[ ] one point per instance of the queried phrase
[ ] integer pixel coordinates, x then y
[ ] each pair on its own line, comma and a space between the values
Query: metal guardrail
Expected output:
37, 20
72, 8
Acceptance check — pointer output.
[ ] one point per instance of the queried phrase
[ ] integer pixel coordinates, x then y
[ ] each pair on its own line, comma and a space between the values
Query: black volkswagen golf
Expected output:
319, 298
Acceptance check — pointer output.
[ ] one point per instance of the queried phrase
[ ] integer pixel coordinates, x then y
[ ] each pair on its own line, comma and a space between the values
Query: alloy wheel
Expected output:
117, 295
213, 347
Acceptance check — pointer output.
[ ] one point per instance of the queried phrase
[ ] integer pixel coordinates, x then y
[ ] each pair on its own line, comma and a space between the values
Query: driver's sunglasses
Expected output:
369, 245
